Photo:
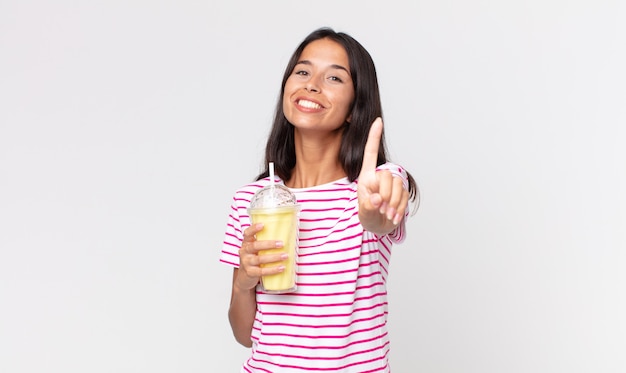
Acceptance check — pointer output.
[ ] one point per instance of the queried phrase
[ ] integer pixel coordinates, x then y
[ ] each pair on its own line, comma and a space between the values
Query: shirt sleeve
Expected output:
233, 237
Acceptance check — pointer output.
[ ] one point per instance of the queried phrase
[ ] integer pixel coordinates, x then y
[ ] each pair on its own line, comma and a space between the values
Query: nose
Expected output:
312, 85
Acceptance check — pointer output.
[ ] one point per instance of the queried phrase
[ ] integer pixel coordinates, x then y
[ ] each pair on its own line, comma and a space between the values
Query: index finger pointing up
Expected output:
370, 155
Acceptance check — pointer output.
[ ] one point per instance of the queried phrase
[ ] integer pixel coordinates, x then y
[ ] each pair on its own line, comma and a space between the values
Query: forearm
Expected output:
241, 312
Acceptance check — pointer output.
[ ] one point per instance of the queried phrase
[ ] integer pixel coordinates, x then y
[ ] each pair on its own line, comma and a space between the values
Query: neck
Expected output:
306, 177
317, 162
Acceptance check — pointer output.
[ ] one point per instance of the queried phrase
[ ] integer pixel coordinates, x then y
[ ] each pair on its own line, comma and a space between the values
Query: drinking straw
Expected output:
272, 173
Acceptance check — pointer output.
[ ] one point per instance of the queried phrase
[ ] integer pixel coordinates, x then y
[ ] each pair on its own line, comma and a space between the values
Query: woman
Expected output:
328, 147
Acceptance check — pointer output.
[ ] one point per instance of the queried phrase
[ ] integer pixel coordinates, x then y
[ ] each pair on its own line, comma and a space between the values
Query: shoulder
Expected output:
243, 195
396, 170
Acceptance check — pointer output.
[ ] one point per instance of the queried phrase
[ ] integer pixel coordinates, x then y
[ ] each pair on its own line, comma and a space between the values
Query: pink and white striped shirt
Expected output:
336, 321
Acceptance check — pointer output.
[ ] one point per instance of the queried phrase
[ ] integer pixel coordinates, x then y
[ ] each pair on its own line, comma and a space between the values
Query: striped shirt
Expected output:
336, 321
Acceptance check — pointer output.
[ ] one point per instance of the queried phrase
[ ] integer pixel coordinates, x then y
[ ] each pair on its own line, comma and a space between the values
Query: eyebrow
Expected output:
334, 66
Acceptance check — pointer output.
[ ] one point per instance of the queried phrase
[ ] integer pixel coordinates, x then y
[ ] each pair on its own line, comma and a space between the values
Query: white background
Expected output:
125, 127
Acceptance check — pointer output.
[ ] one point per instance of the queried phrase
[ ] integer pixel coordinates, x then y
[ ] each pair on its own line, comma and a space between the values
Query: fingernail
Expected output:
391, 212
279, 244
284, 256
383, 208
281, 268
397, 219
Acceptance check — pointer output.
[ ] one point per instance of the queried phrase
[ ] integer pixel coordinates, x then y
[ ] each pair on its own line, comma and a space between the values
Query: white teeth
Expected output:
309, 104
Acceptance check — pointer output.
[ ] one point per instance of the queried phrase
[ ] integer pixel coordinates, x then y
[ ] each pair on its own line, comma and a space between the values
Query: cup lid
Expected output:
275, 195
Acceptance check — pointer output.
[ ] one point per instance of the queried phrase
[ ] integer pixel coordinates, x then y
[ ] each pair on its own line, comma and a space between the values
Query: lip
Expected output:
296, 102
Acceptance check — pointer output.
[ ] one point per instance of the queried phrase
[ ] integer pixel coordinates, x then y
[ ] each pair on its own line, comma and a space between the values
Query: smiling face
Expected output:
319, 92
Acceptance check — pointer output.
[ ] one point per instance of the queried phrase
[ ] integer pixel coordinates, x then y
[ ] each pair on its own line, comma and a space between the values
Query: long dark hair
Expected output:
280, 147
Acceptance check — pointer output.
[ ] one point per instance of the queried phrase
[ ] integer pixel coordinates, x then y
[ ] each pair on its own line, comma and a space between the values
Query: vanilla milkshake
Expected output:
276, 207
279, 223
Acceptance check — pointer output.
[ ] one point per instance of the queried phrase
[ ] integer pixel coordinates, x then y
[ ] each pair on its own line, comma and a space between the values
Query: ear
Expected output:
349, 118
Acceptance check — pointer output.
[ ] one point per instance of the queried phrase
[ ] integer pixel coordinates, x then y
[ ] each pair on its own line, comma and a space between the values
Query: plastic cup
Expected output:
275, 206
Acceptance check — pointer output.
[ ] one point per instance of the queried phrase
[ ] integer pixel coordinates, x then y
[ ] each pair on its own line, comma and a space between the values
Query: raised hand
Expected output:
382, 197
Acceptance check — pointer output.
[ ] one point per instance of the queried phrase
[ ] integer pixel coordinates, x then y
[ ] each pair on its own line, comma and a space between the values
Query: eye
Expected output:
335, 79
301, 72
